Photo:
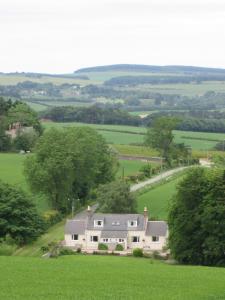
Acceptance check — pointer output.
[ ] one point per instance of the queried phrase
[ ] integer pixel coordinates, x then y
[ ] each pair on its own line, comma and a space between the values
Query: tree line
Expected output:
92, 115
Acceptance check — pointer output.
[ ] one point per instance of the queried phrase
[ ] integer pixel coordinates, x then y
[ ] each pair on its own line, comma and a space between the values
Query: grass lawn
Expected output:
106, 277
157, 199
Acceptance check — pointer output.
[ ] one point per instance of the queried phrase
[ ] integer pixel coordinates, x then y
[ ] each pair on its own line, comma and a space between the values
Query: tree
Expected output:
25, 140
68, 163
23, 114
5, 141
18, 215
115, 197
197, 218
160, 136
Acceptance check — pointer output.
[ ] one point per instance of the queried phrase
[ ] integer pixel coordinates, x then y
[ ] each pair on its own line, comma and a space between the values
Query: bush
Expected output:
6, 249
138, 252
119, 247
51, 217
156, 255
66, 251
140, 176
147, 170
44, 249
54, 249
102, 246
79, 250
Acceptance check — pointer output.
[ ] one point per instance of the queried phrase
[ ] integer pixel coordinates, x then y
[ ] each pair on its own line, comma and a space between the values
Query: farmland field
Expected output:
106, 277
14, 79
118, 134
157, 199
129, 167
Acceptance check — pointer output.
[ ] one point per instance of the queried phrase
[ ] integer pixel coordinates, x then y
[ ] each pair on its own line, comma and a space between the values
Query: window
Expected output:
135, 239
98, 223
132, 223
75, 237
105, 240
94, 238
121, 240
155, 238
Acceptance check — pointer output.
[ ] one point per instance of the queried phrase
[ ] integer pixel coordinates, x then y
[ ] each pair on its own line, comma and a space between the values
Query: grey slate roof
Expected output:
75, 226
116, 222
156, 228
113, 234
115, 225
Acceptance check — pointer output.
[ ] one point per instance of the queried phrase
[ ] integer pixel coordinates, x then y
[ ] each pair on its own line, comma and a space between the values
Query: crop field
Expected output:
125, 135
157, 199
106, 277
188, 89
14, 79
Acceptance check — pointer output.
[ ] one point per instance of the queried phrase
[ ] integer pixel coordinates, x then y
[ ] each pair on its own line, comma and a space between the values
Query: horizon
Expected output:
109, 65
44, 36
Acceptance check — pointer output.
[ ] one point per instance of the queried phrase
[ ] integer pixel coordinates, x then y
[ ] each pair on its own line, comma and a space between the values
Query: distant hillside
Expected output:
152, 69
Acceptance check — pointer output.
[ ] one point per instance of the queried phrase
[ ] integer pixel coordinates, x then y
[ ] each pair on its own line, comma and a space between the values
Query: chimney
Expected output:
89, 212
145, 217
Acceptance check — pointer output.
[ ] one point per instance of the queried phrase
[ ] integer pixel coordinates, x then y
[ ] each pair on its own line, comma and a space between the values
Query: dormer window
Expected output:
132, 223
98, 223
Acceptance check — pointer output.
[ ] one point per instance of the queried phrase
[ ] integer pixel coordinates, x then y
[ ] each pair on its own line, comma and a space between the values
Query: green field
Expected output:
129, 167
157, 199
125, 135
104, 277
11, 171
14, 79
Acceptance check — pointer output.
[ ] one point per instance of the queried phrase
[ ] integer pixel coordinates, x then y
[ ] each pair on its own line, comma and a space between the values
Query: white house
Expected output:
130, 230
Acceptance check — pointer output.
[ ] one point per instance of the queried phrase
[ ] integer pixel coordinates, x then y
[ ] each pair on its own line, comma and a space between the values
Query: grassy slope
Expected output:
105, 277
55, 233
157, 199
11, 171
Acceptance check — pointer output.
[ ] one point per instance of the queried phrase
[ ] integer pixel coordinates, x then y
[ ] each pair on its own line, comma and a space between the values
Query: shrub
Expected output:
138, 252
102, 246
140, 176
147, 170
79, 250
156, 255
52, 217
66, 251
6, 249
119, 247
44, 249
54, 249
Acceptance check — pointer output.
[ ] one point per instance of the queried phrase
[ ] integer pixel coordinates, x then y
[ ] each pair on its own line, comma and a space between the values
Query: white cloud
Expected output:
60, 36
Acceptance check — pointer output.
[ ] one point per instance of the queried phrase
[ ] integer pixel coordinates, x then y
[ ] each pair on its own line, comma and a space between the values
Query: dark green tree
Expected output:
25, 140
18, 215
160, 136
196, 218
68, 163
115, 197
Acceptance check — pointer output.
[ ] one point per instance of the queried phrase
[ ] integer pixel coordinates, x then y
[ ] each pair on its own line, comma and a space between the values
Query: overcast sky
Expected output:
59, 36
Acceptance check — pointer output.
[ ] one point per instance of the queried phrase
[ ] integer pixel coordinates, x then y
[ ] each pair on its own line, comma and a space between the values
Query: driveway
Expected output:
155, 179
